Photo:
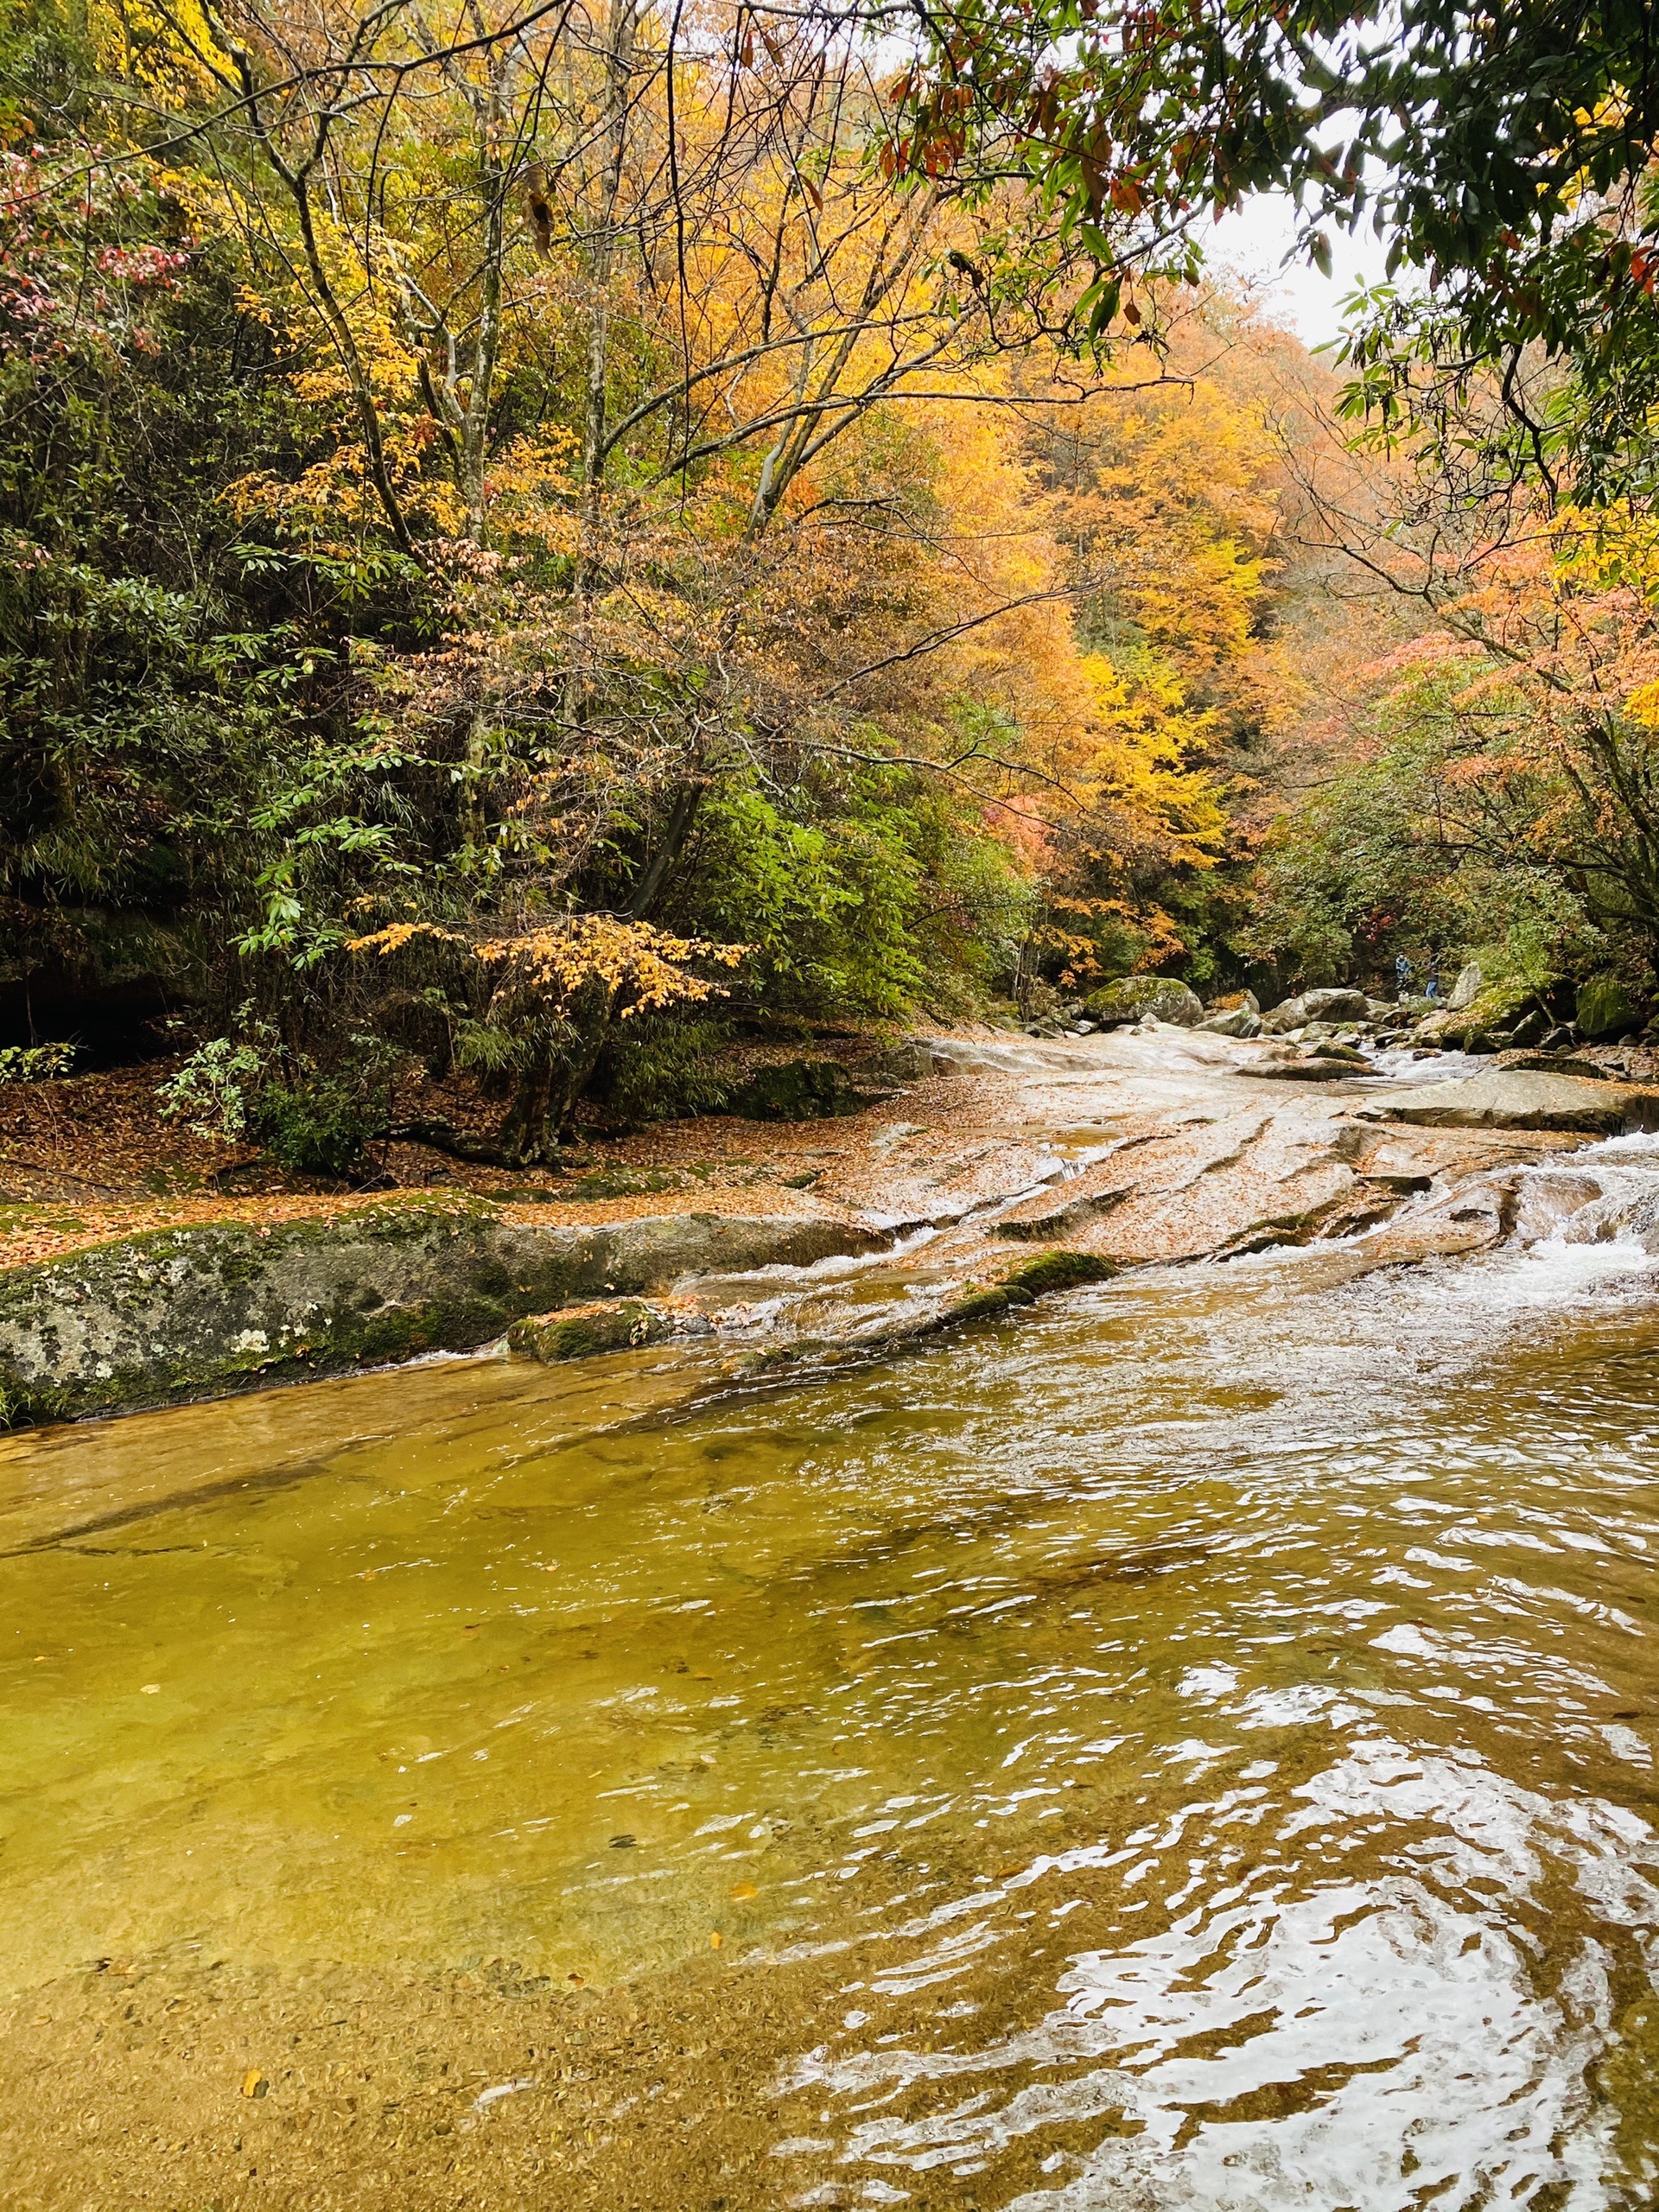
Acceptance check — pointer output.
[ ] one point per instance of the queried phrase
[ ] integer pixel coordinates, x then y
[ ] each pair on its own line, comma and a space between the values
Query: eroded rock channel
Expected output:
1033, 1167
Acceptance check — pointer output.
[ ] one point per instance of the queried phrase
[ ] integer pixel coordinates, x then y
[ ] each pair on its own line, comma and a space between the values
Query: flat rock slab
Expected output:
1517, 1101
1314, 1070
185, 1313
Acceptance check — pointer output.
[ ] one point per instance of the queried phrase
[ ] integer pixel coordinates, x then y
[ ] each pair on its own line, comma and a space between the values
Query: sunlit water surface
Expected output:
1192, 1748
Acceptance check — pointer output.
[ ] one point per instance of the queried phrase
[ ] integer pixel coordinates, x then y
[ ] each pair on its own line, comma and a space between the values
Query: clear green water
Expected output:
1192, 1748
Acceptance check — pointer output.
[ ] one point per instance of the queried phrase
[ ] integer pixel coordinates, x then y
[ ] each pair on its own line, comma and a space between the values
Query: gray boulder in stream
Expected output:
1317, 1006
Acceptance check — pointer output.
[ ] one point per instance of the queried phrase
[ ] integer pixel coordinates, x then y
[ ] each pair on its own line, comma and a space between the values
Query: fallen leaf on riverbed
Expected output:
715, 1940
485, 2097
745, 1890
254, 2083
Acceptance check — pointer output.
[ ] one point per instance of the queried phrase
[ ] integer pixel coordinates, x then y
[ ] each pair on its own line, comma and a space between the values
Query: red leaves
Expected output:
53, 224
141, 264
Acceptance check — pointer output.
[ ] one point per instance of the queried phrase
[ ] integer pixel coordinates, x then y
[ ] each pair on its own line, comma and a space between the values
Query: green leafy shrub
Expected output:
323, 1124
34, 1063
660, 1070
213, 1092
249, 1086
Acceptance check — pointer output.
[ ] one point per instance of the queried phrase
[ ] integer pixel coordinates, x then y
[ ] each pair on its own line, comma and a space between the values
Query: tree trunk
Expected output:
551, 1086
525, 1138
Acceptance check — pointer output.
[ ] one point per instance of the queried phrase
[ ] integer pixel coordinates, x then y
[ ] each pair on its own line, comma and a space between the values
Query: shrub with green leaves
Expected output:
249, 1086
323, 1124
213, 1092
660, 1070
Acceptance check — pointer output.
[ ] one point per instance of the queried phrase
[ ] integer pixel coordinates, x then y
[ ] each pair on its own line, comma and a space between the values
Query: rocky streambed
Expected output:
1007, 1169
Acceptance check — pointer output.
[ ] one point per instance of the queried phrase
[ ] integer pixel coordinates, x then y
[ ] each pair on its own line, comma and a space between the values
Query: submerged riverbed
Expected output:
1189, 1747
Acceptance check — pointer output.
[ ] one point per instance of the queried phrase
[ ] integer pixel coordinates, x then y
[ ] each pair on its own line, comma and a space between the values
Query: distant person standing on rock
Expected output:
1402, 973
1432, 983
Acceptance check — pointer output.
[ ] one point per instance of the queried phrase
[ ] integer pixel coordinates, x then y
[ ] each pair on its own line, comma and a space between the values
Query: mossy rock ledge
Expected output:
1132, 998
201, 1313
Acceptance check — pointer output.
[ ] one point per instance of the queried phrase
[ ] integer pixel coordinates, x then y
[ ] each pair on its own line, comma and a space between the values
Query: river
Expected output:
1189, 1746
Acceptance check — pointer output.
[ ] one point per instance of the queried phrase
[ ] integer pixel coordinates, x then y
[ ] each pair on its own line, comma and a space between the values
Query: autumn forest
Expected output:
534, 541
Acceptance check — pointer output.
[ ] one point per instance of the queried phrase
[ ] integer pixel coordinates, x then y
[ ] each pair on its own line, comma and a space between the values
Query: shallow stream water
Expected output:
1192, 1747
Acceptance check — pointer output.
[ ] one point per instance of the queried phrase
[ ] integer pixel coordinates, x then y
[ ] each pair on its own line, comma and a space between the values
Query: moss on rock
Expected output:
1495, 1006
1604, 1008
1131, 998
1057, 1270
608, 1324
187, 1313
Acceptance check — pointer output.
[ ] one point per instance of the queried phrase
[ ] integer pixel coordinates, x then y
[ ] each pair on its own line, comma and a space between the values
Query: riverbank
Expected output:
1006, 1169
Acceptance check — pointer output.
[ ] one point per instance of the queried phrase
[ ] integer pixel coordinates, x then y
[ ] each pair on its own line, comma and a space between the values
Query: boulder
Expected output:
1443, 1027
1132, 998
1317, 1006
1466, 988
1236, 1021
908, 1059
1604, 1008
1334, 1065
1502, 1100
1492, 1013
1535, 1063
578, 1331
1338, 1006
1532, 1028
